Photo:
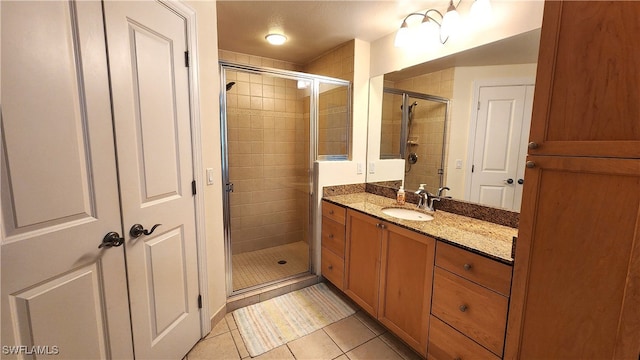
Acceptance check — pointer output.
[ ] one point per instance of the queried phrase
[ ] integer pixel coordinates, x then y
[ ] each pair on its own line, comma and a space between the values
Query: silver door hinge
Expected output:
229, 187
472, 167
186, 58
478, 105
199, 301
193, 187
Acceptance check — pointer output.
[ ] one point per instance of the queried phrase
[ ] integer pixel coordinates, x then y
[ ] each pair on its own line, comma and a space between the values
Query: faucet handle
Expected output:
440, 190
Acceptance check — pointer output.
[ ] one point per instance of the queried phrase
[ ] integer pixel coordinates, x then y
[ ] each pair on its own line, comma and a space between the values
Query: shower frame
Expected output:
315, 81
404, 131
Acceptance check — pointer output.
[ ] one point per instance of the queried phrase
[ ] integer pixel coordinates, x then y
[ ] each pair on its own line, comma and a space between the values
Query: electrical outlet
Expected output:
372, 168
359, 168
458, 163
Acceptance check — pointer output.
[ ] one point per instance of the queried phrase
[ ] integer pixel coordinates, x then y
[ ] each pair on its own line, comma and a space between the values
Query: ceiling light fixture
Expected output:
432, 32
276, 39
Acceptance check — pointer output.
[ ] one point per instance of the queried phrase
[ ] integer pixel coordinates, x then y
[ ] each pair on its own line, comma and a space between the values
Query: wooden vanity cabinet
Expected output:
389, 274
470, 297
333, 243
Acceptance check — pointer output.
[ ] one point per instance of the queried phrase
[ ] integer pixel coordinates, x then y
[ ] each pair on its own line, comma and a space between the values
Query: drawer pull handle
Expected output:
330, 267
330, 236
467, 267
381, 226
330, 212
463, 308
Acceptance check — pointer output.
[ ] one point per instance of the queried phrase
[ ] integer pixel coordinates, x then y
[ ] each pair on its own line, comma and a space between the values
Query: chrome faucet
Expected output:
442, 189
438, 197
423, 197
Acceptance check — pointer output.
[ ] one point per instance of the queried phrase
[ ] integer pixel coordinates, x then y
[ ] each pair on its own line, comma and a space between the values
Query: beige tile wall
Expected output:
427, 126
334, 118
268, 156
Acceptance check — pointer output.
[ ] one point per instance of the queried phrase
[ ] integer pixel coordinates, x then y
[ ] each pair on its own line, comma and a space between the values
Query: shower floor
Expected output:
261, 266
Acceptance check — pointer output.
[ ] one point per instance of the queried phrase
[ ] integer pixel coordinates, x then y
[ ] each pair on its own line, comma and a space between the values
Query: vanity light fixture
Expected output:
433, 32
276, 39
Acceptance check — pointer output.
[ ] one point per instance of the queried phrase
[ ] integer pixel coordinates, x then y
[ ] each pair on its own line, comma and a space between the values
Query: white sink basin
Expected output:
407, 214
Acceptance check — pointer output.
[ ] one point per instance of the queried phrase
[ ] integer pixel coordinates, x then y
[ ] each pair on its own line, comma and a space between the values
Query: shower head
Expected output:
230, 85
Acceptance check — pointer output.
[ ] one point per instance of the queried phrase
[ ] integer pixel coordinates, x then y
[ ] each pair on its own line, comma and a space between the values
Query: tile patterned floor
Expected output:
261, 266
355, 337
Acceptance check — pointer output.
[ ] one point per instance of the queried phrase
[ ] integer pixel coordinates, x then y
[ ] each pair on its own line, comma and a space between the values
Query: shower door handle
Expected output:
229, 187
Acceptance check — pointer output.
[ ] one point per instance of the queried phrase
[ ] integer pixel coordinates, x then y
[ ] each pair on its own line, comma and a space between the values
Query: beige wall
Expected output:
209, 85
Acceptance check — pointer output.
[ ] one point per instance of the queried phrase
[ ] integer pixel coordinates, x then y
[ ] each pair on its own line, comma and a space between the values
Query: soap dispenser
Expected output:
400, 198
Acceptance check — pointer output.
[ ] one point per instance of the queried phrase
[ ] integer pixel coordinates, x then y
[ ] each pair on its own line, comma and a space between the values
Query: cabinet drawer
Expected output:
486, 272
333, 236
332, 268
475, 311
447, 343
334, 212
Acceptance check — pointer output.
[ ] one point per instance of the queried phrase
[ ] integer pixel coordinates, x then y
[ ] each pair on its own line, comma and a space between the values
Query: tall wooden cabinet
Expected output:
576, 287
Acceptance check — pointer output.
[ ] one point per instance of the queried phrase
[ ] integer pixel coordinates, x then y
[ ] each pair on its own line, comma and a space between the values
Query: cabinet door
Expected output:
362, 260
406, 276
576, 288
588, 80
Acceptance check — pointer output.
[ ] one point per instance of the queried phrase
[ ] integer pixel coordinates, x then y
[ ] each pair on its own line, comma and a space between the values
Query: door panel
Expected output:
59, 185
501, 122
147, 42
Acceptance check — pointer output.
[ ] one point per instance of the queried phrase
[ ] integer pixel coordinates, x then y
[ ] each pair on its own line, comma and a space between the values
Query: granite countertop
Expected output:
482, 237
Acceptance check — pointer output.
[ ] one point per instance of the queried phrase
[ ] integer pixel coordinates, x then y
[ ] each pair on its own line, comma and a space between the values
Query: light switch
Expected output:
209, 176
372, 168
359, 168
458, 164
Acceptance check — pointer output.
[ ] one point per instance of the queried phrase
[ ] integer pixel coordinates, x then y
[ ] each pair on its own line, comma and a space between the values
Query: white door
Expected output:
147, 42
502, 130
61, 295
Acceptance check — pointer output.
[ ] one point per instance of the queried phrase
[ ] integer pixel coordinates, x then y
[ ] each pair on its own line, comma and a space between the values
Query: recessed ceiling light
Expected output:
276, 39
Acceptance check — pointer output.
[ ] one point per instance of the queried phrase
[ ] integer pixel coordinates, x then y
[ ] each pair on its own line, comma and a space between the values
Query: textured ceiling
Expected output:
315, 27
312, 27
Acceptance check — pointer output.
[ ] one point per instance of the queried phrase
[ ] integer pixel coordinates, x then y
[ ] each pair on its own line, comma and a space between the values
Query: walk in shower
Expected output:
269, 136
414, 128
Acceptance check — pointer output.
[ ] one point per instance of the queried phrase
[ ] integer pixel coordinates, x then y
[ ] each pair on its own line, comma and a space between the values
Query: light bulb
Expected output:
402, 36
429, 33
481, 11
276, 39
450, 22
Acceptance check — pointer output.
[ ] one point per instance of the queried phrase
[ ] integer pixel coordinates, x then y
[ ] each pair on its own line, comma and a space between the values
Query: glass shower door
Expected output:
267, 152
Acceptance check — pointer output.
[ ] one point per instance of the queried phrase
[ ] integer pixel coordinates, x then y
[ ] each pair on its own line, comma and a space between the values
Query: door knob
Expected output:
112, 239
520, 181
509, 181
138, 230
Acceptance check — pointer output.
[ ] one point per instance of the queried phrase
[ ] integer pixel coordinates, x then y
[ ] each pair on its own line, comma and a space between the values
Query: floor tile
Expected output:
242, 348
315, 346
231, 322
220, 328
374, 349
218, 347
349, 333
369, 322
279, 353
401, 348
342, 357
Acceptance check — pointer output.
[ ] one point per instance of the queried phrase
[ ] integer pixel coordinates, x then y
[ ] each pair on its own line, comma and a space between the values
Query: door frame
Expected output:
190, 16
473, 123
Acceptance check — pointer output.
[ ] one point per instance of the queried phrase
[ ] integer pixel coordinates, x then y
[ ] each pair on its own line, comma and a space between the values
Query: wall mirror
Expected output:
461, 121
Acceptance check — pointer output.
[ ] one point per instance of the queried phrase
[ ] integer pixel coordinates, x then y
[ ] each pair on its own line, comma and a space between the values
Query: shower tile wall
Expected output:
333, 125
428, 126
268, 146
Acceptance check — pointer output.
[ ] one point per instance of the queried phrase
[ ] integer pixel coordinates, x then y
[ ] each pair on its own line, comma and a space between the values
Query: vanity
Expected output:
441, 285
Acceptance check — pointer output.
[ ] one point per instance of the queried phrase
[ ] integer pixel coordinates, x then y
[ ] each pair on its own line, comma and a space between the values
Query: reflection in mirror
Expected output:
413, 129
473, 137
